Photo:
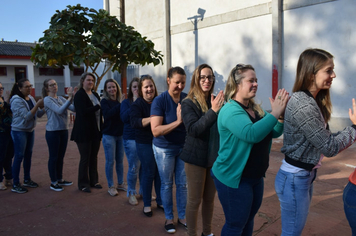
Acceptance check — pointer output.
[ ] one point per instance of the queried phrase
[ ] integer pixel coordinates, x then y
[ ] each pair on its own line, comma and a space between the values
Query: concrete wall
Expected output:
241, 32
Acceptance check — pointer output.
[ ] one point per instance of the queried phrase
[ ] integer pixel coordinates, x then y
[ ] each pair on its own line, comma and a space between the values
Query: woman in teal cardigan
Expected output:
246, 133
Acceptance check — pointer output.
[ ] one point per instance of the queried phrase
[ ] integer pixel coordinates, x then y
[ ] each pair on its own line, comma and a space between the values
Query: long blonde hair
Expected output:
195, 93
231, 88
309, 63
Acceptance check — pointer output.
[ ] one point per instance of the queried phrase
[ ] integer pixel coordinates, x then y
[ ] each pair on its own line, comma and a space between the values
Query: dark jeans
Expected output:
149, 173
240, 205
23, 144
57, 146
6, 155
88, 165
349, 198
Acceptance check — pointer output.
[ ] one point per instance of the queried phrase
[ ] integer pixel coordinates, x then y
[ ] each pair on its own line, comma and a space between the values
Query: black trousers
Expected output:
88, 164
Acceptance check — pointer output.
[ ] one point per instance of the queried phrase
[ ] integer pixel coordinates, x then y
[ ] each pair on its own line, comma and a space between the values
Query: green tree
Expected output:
80, 35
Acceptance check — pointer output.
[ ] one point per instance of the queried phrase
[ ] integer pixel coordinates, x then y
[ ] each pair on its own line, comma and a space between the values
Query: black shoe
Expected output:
160, 207
149, 213
64, 183
170, 228
56, 187
97, 185
30, 183
185, 225
17, 188
86, 190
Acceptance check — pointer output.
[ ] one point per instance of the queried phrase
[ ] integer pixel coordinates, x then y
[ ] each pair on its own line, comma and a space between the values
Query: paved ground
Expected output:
42, 211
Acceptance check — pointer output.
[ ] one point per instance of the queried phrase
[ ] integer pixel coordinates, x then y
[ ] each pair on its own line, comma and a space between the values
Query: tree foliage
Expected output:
80, 35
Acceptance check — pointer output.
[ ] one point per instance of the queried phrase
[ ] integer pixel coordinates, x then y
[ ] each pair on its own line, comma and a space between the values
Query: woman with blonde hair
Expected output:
87, 132
246, 132
112, 134
200, 112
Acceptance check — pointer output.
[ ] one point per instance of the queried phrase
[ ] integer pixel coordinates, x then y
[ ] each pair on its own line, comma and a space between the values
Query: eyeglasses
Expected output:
28, 86
1, 88
52, 85
211, 78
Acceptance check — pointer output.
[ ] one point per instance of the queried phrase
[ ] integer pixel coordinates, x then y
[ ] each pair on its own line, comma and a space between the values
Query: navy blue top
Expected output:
164, 106
141, 109
112, 122
129, 132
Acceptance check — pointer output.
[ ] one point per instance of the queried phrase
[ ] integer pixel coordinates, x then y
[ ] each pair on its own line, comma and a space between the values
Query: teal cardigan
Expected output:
237, 136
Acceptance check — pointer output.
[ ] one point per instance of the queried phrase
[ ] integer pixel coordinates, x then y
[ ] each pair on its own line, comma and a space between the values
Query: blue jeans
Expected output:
349, 198
57, 145
295, 191
6, 155
240, 205
114, 152
134, 167
149, 173
23, 144
169, 164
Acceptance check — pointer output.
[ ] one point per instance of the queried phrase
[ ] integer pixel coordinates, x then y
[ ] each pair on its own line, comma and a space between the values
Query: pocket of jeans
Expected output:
302, 174
280, 182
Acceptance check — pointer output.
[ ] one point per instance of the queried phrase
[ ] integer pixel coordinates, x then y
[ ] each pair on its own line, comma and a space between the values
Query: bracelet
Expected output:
281, 118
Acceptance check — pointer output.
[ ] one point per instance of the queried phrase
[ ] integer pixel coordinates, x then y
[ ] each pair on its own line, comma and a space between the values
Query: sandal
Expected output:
86, 190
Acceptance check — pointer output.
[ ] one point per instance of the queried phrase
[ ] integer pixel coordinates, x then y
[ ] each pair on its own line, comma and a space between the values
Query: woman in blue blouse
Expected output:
169, 136
246, 133
56, 131
130, 144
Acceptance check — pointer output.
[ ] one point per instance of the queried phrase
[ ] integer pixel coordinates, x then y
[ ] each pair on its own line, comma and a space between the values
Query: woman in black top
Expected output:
141, 121
87, 132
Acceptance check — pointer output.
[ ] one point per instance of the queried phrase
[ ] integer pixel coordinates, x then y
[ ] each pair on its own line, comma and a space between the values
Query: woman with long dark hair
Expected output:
25, 111
134, 169
6, 144
307, 138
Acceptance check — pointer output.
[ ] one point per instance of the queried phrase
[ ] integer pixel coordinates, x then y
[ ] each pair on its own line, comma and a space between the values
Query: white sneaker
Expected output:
122, 187
2, 186
112, 191
133, 200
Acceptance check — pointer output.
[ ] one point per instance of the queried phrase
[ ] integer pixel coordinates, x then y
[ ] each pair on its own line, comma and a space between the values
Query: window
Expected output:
51, 71
78, 71
3, 71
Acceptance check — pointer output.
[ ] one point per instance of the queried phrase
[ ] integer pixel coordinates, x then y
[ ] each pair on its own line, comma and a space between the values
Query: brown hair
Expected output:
130, 95
309, 63
195, 93
143, 78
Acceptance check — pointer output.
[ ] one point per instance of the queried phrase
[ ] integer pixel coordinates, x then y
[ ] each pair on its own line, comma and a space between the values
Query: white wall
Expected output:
241, 32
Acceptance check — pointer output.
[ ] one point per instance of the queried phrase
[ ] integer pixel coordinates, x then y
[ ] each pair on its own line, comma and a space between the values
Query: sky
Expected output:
25, 20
